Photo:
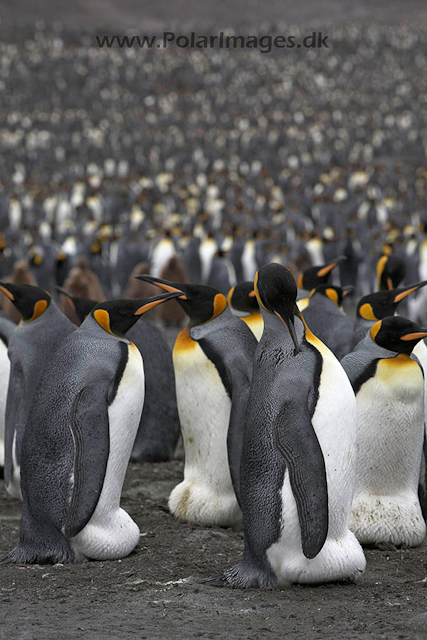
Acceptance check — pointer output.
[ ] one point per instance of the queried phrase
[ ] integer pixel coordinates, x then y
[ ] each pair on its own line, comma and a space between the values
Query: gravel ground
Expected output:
157, 591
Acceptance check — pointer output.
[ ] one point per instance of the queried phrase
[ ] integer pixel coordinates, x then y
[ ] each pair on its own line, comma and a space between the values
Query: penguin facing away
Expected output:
78, 440
391, 270
213, 363
42, 329
298, 457
389, 388
242, 300
159, 428
328, 321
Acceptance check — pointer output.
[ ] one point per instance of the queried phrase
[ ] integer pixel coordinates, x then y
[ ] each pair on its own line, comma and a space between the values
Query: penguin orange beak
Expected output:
163, 284
153, 302
328, 268
348, 291
404, 292
418, 335
5, 290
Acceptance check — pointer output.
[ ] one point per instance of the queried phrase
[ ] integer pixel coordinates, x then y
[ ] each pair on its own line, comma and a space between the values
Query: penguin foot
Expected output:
243, 576
27, 555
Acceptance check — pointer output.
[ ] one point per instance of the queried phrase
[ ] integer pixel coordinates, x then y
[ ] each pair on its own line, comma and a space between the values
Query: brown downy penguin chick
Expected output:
138, 289
20, 275
171, 313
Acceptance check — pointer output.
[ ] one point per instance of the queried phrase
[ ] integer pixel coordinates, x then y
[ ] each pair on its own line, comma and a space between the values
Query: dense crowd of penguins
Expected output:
280, 239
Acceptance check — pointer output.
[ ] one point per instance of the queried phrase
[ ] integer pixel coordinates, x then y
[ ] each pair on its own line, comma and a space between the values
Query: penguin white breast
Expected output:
204, 412
390, 423
111, 533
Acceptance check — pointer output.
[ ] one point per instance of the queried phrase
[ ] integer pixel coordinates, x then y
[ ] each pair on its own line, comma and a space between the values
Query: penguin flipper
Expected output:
296, 440
92, 448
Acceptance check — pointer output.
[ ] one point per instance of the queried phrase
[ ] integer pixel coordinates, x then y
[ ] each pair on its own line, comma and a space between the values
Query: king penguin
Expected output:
314, 277
328, 321
42, 329
243, 303
79, 436
6, 329
379, 305
389, 389
213, 365
298, 457
391, 270
159, 427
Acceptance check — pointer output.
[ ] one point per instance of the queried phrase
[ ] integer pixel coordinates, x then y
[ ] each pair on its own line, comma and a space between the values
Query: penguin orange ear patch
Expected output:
252, 294
375, 329
380, 268
230, 295
299, 281
7, 293
39, 308
103, 319
220, 303
367, 312
258, 297
332, 295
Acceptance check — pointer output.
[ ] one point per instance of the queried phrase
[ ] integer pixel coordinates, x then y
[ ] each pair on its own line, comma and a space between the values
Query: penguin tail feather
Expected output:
26, 555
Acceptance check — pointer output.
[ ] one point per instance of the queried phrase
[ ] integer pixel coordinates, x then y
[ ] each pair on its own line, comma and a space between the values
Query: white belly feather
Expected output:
206, 494
111, 533
334, 421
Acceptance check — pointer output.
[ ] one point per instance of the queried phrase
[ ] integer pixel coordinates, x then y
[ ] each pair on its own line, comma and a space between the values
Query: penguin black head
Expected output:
390, 272
397, 334
118, 316
335, 294
200, 302
276, 292
313, 277
30, 301
243, 297
382, 304
81, 306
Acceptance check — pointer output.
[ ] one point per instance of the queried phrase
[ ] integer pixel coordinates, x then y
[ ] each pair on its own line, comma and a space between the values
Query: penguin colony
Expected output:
299, 423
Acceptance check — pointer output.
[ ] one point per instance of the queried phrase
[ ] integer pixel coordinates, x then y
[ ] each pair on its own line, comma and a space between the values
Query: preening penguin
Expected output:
328, 321
159, 428
78, 439
389, 389
213, 364
298, 457
42, 329
243, 303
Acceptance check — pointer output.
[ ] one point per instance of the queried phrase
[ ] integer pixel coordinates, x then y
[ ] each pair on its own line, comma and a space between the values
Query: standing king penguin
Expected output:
213, 364
389, 389
298, 457
78, 440
42, 329
159, 428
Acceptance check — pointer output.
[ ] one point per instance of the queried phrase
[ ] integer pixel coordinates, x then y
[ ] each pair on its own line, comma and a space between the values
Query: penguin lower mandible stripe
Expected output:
213, 365
78, 439
298, 457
